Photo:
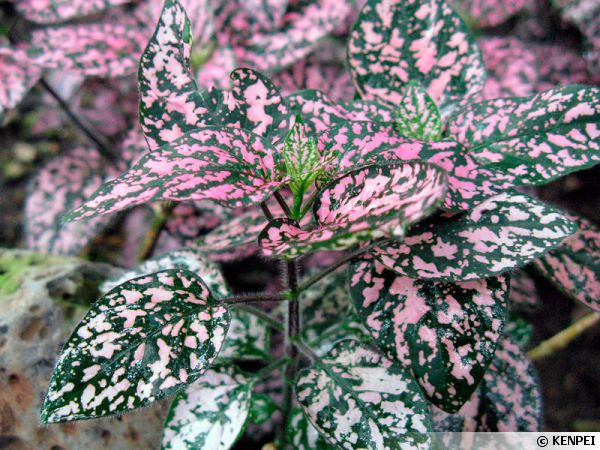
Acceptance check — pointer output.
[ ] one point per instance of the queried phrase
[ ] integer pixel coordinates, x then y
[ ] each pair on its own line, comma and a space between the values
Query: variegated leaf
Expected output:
365, 204
533, 140
488, 13
523, 292
61, 185
446, 333
17, 76
144, 340
574, 266
226, 165
54, 11
357, 398
105, 49
263, 408
317, 110
302, 435
518, 329
508, 399
211, 413
170, 103
504, 232
396, 41
301, 159
248, 338
254, 104
417, 116
358, 143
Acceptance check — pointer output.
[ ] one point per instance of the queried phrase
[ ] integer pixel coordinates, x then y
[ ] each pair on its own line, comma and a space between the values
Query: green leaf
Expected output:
263, 408
508, 399
504, 232
574, 266
417, 116
519, 330
523, 292
445, 333
356, 398
211, 413
396, 41
301, 159
248, 338
301, 435
143, 341
532, 140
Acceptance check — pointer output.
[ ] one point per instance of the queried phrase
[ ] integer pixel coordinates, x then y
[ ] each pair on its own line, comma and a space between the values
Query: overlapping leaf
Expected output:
574, 266
17, 76
445, 333
170, 103
365, 204
226, 165
301, 433
211, 413
523, 291
508, 399
103, 49
60, 186
533, 140
504, 232
357, 143
357, 398
488, 13
417, 116
394, 42
142, 341
53, 11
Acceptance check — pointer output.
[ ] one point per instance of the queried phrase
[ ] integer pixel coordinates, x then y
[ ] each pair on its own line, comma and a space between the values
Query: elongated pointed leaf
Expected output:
502, 233
228, 166
301, 158
17, 76
394, 42
211, 413
144, 340
170, 103
355, 144
445, 333
365, 204
106, 49
53, 11
574, 266
417, 116
301, 433
356, 398
61, 185
508, 399
533, 140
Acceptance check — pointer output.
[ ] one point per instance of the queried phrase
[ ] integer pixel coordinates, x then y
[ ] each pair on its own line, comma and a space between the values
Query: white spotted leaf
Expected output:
210, 413
142, 341
500, 234
357, 398
302, 435
446, 333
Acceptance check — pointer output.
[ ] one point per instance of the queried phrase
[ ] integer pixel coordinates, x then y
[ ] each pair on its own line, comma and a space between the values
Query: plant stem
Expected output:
272, 367
305, 349
346, 259
254, 298
562, 339
272, 322
266, 211
308, 204
292, 333
158, 223
283, 204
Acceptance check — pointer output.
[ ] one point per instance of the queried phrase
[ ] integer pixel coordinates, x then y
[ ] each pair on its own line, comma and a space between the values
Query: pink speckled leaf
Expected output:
317, 110
144, 340
228, 166
507, 400
53, 11
445, 333
417, 116
362, 143
301, 33
61, 185
524, 295
357, 398
489, 13
365, 204
17, 76
504, 232
170, 103
396, 41
211, 413
104, 49
533, 140
574, 266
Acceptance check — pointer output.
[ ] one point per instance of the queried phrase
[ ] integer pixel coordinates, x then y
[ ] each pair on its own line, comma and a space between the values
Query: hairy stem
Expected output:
254, 298
562, 339
292, 333
158, 223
